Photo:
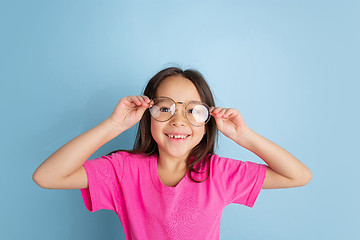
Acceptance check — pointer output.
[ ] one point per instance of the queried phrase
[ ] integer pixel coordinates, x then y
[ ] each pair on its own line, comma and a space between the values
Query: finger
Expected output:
143, 101
129, 101
221, 113
147, 102
216, 110
230, 113
146, 98
133, 100
138, 101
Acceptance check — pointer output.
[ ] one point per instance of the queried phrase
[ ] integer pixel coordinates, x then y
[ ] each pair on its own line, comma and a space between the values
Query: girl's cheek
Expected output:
156, 130
152, 130
201, 132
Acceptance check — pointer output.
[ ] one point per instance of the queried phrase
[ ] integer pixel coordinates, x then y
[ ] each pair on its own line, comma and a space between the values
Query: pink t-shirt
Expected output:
129, 184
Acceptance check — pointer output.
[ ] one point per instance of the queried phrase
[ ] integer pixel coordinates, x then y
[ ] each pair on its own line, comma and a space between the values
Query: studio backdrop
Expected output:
290, 67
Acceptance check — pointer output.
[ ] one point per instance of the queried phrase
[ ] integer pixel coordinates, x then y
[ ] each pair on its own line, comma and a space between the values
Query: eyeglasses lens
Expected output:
197, 113
162, 109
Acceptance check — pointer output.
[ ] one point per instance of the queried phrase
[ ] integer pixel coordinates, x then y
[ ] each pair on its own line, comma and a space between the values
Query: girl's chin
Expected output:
178, 155
175, 154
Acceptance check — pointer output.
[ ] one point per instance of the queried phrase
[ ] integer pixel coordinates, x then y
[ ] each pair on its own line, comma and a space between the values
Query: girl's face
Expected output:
177, 137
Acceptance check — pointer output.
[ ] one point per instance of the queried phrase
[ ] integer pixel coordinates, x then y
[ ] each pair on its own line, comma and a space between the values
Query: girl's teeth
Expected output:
177, 136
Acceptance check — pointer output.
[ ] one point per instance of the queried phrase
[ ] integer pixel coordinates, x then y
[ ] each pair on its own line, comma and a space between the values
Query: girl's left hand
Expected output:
230, 122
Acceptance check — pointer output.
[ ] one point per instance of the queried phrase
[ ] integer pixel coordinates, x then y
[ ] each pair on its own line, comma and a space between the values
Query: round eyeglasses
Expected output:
164, 108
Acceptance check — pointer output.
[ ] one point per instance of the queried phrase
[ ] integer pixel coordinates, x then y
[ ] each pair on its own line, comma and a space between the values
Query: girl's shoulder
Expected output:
127, 157
216, 159
129, 154
224, 163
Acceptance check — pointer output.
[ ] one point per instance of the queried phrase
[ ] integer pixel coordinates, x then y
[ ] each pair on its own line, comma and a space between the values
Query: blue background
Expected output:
290, 67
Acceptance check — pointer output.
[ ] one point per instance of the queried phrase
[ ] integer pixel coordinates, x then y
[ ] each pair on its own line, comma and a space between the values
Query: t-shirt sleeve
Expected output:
104, 176
240, 181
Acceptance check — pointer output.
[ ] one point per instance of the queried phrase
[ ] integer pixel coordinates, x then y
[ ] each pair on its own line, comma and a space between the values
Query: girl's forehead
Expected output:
179, 89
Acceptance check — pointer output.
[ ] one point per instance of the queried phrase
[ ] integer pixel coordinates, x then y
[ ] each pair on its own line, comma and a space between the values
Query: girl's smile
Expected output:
178, 136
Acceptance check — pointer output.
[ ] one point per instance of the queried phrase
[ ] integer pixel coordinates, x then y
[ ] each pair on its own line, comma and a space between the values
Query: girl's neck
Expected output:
172, 164
171, 171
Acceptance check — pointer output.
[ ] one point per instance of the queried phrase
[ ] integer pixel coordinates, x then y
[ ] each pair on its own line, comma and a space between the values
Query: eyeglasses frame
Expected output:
186, 105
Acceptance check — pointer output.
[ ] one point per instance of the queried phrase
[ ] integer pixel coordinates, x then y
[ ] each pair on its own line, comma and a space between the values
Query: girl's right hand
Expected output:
129, 111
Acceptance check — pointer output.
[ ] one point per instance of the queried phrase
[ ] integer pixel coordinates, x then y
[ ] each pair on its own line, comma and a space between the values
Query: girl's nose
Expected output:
179, 118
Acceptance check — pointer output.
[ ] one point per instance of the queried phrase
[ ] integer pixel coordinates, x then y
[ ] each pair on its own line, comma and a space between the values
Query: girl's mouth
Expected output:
177, 136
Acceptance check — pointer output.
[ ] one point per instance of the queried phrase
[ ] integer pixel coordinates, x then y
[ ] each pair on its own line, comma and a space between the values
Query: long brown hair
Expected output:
200, 155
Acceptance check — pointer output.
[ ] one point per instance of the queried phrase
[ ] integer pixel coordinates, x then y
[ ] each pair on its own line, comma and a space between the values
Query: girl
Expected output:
171, 185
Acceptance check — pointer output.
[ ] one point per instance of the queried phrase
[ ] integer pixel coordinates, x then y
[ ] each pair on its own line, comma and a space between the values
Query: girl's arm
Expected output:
64, 168
284, 170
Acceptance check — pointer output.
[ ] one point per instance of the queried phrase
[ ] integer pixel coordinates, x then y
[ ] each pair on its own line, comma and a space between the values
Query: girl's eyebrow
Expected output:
187, 101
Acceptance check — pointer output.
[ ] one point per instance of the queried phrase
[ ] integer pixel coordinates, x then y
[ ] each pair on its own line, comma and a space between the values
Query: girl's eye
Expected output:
191, 111
164, 109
